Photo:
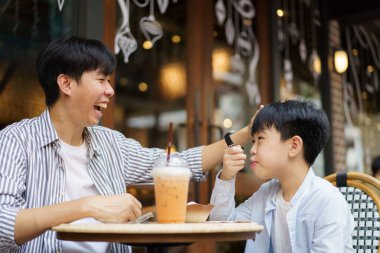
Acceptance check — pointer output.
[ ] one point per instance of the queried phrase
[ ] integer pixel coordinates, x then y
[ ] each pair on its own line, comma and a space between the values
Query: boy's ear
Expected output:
296, 145
64, 83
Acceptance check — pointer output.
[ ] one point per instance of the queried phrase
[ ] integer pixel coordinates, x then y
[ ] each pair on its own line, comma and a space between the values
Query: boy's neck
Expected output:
292, 180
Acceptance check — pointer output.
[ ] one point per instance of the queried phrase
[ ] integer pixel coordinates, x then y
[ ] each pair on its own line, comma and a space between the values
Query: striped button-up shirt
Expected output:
32, 173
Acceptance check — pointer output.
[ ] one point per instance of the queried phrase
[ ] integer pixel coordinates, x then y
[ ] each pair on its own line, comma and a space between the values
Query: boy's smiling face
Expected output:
269, 154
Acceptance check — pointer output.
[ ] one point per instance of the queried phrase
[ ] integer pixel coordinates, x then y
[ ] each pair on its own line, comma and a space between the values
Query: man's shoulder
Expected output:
103, 133
20, 127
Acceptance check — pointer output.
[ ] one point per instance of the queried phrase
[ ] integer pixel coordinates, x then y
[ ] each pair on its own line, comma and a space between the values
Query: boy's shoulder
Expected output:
317, 189
322, 193
322, 187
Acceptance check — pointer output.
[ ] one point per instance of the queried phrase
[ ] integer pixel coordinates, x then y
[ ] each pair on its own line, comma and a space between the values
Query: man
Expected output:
61, 167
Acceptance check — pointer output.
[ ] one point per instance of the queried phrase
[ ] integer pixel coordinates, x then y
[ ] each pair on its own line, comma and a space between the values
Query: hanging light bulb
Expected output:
340, 61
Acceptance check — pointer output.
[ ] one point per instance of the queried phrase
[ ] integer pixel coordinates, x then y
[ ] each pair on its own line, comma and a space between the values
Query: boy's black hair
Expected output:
375, 165
294, 117
72, 56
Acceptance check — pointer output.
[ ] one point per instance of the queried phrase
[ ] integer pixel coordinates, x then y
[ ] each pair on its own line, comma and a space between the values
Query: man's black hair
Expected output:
72, 56
294, 117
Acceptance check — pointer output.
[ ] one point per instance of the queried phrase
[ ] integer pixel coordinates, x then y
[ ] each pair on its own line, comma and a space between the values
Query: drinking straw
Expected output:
170, 135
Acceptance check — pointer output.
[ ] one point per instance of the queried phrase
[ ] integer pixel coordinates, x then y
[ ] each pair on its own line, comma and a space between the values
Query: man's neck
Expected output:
292, 180
66, 128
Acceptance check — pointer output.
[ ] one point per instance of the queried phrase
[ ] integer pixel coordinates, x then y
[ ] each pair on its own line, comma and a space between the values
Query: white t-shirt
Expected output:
280, 229
79, 184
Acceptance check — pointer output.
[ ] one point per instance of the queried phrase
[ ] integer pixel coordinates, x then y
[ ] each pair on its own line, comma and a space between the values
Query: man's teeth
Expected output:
101, 105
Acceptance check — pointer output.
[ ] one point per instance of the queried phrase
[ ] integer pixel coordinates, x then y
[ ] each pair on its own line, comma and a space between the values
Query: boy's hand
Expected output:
233, 161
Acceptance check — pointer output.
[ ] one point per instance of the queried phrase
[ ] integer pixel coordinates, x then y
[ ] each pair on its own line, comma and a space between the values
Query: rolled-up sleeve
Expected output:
12, 186
193, 156
139, 161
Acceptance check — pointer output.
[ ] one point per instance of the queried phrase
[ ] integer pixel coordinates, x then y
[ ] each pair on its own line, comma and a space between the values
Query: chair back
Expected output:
361, 192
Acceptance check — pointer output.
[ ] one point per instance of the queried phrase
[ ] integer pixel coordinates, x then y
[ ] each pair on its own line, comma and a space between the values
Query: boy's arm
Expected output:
223, 199
224, 190
334, 226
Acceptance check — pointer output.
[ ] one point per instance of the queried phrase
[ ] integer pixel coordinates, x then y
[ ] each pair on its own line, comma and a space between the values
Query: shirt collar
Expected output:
91, 141
48, 132
305, 186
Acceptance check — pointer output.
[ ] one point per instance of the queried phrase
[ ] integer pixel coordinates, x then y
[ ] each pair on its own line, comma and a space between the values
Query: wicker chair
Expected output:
362, 194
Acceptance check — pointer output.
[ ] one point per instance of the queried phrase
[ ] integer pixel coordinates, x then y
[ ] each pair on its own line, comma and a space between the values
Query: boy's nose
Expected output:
253, 150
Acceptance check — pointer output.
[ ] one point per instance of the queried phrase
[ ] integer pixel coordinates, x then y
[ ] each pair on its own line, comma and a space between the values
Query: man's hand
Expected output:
233, 161
254, 116
114, 209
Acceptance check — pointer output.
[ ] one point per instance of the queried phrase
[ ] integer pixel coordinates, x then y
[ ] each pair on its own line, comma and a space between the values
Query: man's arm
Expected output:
212, 154
30, 223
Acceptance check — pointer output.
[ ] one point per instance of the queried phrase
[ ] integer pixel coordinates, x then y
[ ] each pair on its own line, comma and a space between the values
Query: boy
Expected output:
300, 211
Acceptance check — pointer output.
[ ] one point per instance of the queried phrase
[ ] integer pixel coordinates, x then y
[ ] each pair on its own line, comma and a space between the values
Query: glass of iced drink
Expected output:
171, 186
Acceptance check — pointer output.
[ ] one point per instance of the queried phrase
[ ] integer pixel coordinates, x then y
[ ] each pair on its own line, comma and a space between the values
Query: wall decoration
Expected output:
124, 40
361, 87
220, 12
298, 48
302, 50
60, 4
151, 29
237, 22
289, 34
149, 26
314, 59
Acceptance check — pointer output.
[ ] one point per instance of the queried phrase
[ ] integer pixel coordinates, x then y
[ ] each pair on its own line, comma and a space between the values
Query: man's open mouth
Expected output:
100, 106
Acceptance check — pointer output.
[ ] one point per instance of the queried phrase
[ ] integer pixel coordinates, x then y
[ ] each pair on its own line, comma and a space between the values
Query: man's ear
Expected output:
296, 145
64, 83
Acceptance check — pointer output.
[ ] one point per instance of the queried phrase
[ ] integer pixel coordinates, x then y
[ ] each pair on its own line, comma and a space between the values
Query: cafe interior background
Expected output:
206, 66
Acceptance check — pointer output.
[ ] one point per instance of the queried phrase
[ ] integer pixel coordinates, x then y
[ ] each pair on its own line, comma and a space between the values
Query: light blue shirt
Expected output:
319, 220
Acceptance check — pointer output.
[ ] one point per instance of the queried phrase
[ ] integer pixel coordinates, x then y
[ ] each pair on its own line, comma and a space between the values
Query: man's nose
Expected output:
109, 90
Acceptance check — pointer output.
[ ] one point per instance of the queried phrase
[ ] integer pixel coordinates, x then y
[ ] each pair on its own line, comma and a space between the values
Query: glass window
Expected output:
26, 27
151, 82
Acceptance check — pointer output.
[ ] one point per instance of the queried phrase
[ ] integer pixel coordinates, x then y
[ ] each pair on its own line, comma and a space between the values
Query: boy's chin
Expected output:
263, 177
